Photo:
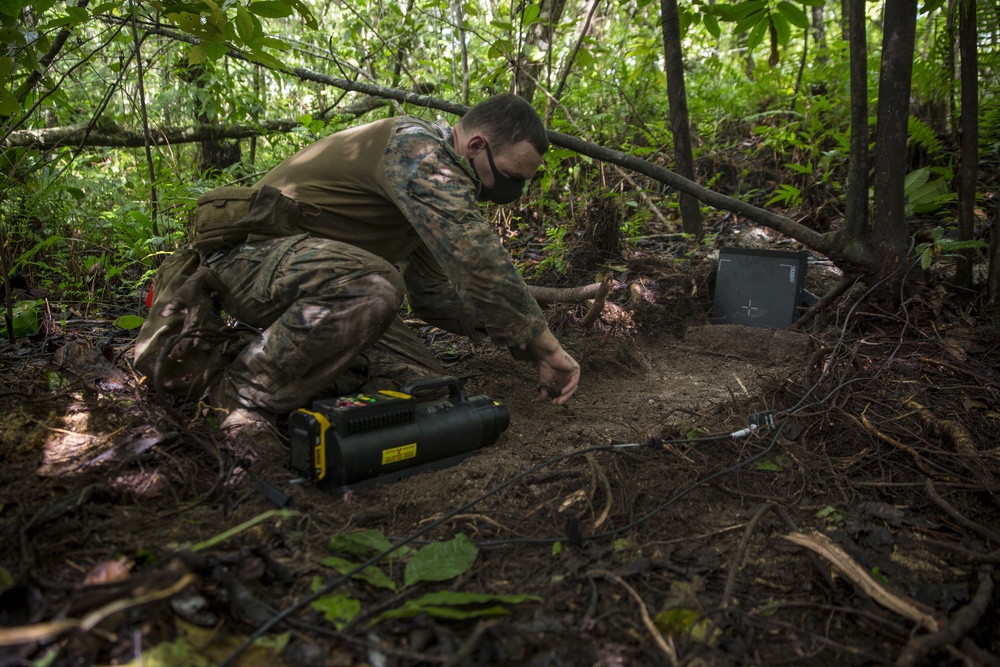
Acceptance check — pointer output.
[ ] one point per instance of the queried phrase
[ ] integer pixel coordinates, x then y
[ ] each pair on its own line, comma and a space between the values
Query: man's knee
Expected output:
385, 290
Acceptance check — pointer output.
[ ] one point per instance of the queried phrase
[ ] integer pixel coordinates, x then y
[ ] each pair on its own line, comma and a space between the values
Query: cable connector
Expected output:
757, 420
761, 419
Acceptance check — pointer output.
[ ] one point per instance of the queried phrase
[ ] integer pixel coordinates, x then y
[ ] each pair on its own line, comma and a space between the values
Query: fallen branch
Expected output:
860, 577
598, 306
549, 295
964, 620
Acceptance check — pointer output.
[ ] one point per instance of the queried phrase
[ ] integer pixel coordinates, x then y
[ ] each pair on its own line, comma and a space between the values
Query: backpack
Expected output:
227, 216
184, 343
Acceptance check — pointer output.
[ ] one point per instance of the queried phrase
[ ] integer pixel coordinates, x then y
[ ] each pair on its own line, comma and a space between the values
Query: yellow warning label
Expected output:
397, 454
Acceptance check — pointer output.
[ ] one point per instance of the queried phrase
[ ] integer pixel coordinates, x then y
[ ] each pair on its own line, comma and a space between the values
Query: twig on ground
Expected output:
745, 541
983, 531
741, 553
868, 426
50, 630
598, 306
236, 530
464, 651
606, 485
324, 631
477, 517
666, 647
967, 554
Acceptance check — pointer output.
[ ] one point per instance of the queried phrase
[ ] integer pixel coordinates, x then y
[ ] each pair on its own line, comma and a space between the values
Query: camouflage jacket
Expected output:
398, 189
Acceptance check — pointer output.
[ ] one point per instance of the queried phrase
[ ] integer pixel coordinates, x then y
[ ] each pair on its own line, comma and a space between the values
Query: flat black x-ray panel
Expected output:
758, 288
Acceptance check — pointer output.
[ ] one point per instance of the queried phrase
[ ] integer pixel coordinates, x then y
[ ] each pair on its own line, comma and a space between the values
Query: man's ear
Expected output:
476, 142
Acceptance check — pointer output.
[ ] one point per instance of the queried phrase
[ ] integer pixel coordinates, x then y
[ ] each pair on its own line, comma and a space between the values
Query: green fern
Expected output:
924, 136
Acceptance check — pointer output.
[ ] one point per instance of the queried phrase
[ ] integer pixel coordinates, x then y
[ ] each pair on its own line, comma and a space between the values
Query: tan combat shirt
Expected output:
398, 189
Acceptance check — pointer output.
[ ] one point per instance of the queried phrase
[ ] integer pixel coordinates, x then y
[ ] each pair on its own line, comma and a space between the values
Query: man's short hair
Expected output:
507, 119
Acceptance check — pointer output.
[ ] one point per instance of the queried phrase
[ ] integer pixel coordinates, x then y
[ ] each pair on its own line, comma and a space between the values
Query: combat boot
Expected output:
250, 431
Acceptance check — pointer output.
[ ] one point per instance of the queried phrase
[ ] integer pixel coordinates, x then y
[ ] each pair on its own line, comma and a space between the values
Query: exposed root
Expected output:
983, 531
945, 428
663, 644
964, 620
860, 577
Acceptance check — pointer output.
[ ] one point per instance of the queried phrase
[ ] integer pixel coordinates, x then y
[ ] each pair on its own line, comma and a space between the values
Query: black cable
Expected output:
659, 508
801, 406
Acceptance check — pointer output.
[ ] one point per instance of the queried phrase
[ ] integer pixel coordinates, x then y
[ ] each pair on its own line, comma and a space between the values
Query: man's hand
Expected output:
558, 372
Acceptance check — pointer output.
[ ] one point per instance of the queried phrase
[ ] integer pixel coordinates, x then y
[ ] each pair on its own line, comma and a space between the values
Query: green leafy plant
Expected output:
786, 195
830, 514
941, 246
457, 605
555, 251
435, 562
26, 319
778, 463
923, 193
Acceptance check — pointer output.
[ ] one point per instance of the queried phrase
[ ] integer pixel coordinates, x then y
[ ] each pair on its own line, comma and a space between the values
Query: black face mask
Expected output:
504, 190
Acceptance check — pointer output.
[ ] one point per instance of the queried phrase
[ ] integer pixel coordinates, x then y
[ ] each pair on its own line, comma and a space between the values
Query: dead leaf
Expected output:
955, 349
572, 499
109, 572
972, 404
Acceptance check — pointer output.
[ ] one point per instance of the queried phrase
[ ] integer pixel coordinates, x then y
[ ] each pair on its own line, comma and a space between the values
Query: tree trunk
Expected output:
969, 161
856, 213
890, 238
818, 29
463, 49
993, 279
679, 122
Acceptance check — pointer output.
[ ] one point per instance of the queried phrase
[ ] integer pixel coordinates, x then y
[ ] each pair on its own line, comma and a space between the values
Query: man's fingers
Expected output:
550, 390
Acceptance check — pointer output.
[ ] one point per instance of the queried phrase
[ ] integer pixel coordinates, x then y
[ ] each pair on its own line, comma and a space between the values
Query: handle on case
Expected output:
456, 392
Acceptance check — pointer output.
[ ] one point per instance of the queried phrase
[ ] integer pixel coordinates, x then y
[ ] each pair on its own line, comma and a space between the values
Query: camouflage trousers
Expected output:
328, 311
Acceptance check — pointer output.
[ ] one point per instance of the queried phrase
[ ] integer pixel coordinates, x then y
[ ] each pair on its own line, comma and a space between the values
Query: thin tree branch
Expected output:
569, 60
36, 74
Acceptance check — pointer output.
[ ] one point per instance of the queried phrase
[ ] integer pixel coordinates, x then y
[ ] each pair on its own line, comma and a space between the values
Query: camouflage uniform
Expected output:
391, 193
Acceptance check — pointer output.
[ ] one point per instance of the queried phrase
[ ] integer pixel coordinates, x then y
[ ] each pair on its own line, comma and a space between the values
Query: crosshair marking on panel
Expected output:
749, 308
